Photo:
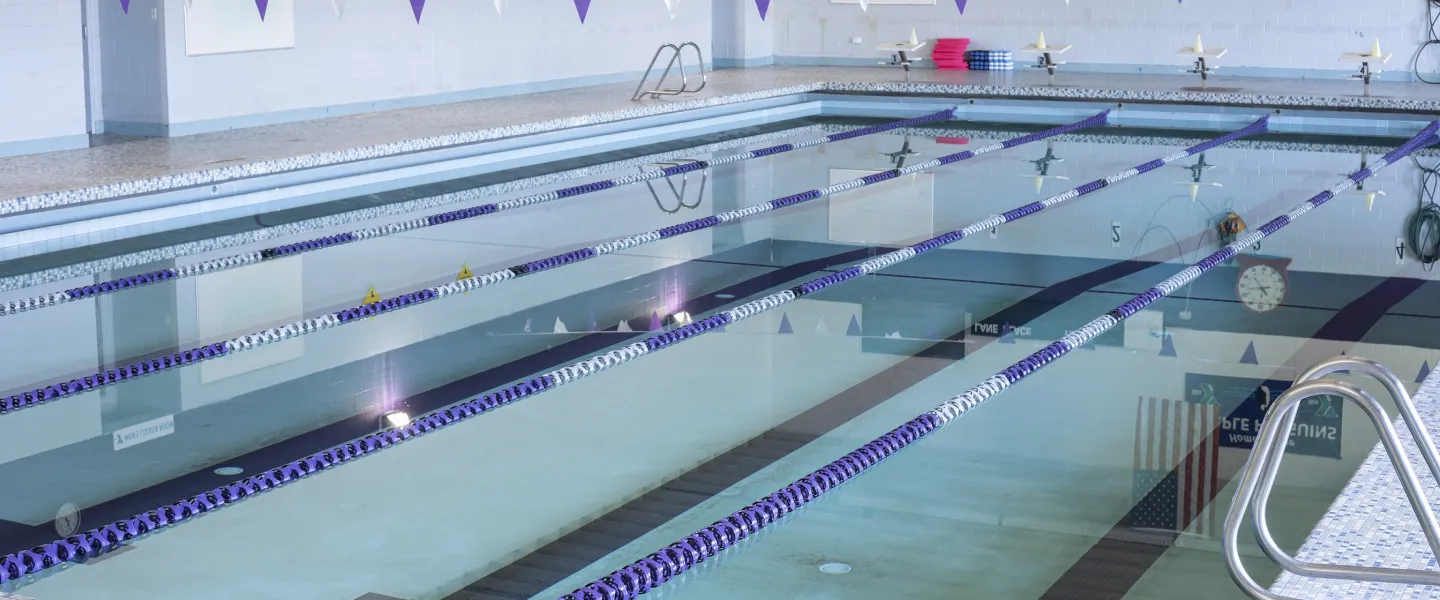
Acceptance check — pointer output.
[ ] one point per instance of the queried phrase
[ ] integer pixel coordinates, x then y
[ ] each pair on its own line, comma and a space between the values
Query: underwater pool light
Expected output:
397, 418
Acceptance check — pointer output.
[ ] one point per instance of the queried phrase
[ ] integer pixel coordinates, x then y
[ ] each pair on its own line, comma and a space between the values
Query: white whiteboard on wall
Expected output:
928, 2
225, 26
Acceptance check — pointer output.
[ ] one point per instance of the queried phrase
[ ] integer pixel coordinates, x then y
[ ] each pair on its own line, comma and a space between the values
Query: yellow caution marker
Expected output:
371, 297
464, 273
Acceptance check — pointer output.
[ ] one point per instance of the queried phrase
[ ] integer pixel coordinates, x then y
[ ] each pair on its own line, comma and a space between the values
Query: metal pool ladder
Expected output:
676, 58
1258, 478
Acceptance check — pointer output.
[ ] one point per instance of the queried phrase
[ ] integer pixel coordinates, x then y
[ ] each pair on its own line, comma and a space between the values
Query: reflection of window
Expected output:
895, 211
224, 26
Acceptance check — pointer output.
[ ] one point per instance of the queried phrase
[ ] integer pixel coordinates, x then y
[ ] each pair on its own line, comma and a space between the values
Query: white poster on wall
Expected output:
225, 26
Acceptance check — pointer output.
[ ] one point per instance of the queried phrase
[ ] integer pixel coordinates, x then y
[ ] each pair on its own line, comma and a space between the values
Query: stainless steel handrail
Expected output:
676, 58
1258, 478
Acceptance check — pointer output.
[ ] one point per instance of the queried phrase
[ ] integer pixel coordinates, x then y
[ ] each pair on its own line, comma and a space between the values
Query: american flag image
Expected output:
1177, 449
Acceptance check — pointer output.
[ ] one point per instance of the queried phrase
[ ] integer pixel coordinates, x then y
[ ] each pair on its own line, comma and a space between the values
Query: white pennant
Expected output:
500, 7
865, 4
339, 8
671, 5
560, 326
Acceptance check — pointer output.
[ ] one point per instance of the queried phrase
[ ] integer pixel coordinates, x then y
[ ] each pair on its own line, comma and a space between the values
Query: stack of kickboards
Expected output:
990, 60
950, 53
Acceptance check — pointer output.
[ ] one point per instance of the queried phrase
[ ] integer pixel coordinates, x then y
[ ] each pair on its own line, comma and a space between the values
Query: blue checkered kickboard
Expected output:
990, 60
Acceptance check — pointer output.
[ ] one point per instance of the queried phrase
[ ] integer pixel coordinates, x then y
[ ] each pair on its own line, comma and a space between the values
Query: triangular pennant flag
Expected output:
464, 273
1167, 345
960, 4
1249, 358
763, 5
500, 7
339, 8
263, 5
560, 326
785, 324
417, 7
1424, 372
371, 297
125, 6
854, 329
1007, 334
624, 326
894, 335
671, 5
864, 4
527, 325
820, 327
655, 321
582, 7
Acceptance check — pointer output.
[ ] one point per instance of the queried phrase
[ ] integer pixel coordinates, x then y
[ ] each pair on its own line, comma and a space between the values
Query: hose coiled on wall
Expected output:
1422, 229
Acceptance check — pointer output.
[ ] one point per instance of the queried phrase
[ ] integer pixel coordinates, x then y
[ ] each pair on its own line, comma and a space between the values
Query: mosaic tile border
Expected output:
1370, 523
1140, 140
56, 199
390, 210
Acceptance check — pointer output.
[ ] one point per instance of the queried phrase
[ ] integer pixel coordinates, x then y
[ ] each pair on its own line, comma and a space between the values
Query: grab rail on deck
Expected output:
1258, 478
676, 57
684, 184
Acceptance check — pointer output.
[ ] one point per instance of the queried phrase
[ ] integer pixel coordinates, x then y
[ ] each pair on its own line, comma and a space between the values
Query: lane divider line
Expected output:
659, 567
65, 389
248, 258
104, 539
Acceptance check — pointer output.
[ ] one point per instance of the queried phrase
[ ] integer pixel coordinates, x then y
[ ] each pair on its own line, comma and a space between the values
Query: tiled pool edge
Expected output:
1370, 523
50, 200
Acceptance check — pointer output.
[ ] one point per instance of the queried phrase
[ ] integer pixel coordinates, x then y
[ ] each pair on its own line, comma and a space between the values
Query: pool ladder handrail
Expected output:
684, 184
675, 58
1257, 479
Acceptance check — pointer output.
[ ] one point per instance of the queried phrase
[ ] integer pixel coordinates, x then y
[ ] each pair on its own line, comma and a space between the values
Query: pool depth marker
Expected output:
64, 389
107, 538
657, 568
257, 256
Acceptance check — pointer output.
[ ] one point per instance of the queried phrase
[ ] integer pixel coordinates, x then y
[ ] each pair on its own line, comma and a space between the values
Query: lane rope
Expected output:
657, 568
286, 250
107, 538
64, 389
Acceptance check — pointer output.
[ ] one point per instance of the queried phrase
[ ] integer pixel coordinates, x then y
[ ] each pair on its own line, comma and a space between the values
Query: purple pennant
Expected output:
417, 6
655, 321
960, 4
764, 6
125, 6
1424, 372
785, 324
263, 5
582, 7
1167, 345
1249, 357
854, 329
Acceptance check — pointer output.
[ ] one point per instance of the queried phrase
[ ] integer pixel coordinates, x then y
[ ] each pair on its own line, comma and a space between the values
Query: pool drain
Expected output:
834, 568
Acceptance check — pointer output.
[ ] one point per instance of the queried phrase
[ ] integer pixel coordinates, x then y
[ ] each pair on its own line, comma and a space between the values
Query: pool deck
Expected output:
126, 167
1371, 524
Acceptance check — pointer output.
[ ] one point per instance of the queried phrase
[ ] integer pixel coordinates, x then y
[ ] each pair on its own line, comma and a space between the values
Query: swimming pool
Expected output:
1092, 479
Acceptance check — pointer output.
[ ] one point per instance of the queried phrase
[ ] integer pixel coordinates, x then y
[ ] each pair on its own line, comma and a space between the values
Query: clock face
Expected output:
1261, 288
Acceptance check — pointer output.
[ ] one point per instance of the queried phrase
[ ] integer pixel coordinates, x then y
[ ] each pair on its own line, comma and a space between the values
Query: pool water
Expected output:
1097, 477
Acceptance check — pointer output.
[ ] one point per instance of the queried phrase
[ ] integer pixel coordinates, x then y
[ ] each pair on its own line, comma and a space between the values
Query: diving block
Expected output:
1047, 52
1201, 54
1366, 72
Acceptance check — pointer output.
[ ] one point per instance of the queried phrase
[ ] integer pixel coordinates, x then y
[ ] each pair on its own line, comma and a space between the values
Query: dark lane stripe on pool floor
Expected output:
1117, 562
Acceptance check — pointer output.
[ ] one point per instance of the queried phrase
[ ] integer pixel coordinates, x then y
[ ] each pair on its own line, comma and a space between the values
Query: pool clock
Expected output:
1263, 282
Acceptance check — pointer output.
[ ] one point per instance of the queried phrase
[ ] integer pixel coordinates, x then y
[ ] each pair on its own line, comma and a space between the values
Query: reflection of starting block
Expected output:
902, 56
1200, 54
1046, 52
1374, 56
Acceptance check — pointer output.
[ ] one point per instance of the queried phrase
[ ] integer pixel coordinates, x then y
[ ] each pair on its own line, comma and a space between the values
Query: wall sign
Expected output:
1244, 404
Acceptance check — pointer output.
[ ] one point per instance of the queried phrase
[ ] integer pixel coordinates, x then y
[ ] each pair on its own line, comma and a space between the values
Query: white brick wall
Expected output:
42, 81
1279, 34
